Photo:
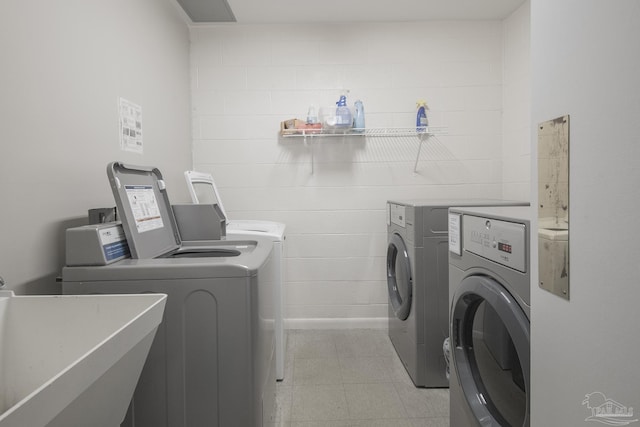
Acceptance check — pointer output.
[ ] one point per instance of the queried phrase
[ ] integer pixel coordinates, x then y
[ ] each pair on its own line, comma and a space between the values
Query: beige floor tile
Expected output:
365, 370
424, 402
316, 371
328, 423
313, 345
394, 422
373, 401
318, 402
352, 378
363, 343
430, 422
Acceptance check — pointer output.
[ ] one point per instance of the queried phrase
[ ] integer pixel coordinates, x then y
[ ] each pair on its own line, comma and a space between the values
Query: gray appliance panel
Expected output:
252, 255
428, 217
499, 241
211, 356
144, 208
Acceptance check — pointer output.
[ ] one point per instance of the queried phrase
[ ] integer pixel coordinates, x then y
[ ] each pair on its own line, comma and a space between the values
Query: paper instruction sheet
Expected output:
144, 205
130, 126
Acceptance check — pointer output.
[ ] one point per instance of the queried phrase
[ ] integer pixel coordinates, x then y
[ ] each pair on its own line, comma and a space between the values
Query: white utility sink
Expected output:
73, 361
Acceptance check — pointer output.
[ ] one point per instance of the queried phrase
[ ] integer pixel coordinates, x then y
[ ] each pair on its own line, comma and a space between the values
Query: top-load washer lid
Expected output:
147, 219
250, 227
203, 189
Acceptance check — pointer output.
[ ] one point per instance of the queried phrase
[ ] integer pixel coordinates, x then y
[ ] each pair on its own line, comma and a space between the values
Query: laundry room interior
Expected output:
217, 97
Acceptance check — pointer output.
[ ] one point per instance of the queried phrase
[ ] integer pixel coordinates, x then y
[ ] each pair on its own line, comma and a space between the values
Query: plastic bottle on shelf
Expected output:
343, 114
312, 115
422, 123
358, 119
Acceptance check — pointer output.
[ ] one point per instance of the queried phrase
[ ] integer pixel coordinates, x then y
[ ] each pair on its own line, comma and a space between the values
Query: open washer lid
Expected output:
202, 189
145, 211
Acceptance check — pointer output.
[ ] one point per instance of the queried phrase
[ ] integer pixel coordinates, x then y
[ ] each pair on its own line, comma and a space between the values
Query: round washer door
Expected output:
491, 352
399, 279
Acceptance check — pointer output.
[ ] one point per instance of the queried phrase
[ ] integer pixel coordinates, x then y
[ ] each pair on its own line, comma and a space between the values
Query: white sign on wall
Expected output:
130, 126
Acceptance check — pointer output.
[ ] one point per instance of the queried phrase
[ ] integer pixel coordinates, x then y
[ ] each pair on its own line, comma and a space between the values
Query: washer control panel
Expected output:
500, 241
398, 214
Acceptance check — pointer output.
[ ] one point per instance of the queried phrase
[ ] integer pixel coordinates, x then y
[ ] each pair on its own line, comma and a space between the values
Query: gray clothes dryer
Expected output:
418, 283
489, 274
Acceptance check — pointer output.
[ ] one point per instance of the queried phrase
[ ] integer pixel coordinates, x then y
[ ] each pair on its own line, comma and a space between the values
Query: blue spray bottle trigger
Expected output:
422, 123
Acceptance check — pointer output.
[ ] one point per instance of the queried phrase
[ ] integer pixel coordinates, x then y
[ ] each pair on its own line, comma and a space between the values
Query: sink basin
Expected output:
73, 360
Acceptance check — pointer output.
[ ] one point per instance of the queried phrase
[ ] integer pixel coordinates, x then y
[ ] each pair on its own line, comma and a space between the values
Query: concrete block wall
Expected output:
516, 100
332, 193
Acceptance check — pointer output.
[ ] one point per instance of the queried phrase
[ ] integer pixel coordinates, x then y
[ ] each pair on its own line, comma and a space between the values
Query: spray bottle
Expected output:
343, 114
422, 123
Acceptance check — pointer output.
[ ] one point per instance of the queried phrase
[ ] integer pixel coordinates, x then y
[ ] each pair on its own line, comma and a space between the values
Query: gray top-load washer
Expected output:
212, 362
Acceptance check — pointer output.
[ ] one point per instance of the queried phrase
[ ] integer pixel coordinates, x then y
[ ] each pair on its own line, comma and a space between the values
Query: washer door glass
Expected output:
399, 279
491, 352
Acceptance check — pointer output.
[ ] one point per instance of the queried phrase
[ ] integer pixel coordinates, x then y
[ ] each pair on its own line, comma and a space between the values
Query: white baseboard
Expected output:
338, 323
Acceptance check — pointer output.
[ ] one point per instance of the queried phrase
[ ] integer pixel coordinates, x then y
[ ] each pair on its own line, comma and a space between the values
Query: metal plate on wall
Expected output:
553, 206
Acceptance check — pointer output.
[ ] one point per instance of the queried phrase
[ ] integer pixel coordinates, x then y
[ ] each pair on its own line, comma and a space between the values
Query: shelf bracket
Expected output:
424, 137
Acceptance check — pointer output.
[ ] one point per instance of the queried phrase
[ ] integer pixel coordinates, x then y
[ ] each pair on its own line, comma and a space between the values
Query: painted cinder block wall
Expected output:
516, 105
248, 78
64, 66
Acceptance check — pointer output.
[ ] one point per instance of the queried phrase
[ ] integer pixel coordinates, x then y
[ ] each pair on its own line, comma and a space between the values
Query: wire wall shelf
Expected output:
372, 132
312, 136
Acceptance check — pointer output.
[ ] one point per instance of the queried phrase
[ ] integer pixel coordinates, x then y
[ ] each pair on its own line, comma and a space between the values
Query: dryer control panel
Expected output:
398, 214
503, 242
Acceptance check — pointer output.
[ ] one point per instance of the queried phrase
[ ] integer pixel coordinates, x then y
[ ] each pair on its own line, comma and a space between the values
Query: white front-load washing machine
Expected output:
418, 283
203, 190
489, 277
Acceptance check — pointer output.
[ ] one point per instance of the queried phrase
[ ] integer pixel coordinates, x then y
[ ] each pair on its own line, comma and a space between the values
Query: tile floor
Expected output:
349, 378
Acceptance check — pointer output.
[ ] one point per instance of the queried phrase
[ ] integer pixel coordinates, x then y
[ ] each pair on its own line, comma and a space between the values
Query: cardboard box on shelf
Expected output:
296, 126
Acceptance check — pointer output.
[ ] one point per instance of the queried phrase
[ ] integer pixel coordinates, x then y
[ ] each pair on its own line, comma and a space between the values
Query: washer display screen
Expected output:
504, 247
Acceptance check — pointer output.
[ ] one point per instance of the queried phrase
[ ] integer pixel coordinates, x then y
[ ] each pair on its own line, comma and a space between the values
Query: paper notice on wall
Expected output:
144, 206
130, 126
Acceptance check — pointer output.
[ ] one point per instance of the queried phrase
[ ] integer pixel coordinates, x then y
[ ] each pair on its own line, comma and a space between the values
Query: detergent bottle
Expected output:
422, 123
358, 119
